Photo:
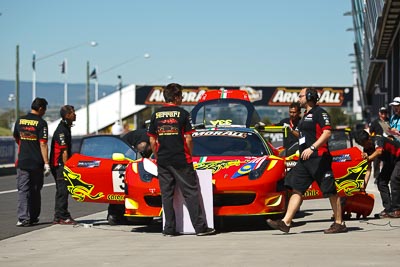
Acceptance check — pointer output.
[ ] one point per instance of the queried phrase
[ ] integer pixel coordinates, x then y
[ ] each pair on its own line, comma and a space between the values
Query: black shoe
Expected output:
23, 223
169, 234
278, 225
208, 231
34, 221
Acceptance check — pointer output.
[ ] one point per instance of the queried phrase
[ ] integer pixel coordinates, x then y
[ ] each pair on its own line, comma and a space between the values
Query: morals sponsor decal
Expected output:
220, 133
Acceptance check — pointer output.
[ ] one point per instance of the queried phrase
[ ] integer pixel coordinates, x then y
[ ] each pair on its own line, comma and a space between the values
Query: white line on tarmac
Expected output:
15, 190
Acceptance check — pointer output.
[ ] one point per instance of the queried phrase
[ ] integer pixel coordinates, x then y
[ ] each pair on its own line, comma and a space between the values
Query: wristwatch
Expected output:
312, 148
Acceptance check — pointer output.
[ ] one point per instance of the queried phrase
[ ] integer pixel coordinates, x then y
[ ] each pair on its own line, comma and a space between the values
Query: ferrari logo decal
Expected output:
353, 181
216, 166
78, 189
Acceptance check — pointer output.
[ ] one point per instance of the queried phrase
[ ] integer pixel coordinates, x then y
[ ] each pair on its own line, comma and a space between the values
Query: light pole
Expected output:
34, 60
64, 70
93, 75
17, 84
120, 99
87, 96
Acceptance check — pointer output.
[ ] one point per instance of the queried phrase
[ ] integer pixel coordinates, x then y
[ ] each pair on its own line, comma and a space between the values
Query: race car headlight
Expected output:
256, 173
131, 204
145, 176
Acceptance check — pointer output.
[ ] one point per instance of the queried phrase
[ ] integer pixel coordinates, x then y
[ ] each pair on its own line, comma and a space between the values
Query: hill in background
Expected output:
53, 92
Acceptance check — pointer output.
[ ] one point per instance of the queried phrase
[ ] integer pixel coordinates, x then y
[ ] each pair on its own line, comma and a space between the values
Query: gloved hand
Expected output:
287, 125
46, 170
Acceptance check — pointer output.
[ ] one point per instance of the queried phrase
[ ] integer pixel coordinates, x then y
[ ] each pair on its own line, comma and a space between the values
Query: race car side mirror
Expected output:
118, 156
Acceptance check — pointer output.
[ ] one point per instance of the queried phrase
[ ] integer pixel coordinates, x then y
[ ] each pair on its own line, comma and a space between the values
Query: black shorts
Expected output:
314, 169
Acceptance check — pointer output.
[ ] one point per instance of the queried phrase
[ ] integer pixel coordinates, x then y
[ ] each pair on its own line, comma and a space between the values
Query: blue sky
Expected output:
206, 42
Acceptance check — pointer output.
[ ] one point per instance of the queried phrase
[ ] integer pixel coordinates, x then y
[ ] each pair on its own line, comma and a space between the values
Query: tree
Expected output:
338, 117
6, 121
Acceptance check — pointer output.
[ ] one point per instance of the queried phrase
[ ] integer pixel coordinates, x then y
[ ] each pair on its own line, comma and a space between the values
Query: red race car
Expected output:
247, 178
247, 171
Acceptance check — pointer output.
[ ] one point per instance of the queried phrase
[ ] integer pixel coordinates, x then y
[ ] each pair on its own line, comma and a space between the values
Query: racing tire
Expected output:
140, 220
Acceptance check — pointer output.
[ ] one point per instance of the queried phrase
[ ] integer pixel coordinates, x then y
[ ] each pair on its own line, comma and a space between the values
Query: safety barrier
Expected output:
8, 151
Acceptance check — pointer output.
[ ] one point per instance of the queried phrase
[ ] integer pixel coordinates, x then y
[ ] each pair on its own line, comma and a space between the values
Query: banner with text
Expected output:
332, 96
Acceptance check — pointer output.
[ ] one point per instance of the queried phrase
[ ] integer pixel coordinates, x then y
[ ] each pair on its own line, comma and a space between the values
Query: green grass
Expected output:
5, 132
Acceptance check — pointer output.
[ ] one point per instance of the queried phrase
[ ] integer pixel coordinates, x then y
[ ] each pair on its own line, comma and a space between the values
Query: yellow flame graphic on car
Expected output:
353, 181
216, 166
79, 189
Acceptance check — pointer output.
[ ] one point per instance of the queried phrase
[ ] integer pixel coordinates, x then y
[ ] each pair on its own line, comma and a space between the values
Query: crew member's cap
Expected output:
396, 101
382, 109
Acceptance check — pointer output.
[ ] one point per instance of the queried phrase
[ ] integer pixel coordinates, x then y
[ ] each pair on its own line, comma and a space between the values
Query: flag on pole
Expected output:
63, 67
93, 74
34, 61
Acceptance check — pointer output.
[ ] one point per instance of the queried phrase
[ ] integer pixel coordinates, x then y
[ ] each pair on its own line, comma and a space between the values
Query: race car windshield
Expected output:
227, 114
227, 143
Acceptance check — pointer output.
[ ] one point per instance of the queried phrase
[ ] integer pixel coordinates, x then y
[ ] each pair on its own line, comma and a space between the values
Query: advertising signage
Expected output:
331, 96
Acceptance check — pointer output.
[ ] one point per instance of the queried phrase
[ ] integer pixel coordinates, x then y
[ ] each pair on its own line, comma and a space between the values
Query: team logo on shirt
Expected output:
62, 139
168, 114
309, 117
167, 130
169, 121
326, 118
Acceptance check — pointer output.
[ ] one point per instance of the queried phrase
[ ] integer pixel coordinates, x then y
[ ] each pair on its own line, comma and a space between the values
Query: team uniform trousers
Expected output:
383, 185
61, 198
395, 186
29, 185
187, 181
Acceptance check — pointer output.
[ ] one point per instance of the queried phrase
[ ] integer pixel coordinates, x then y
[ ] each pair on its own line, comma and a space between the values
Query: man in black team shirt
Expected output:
170, 133
59, 154
387, 151
30, 133
291, 123
314, 164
